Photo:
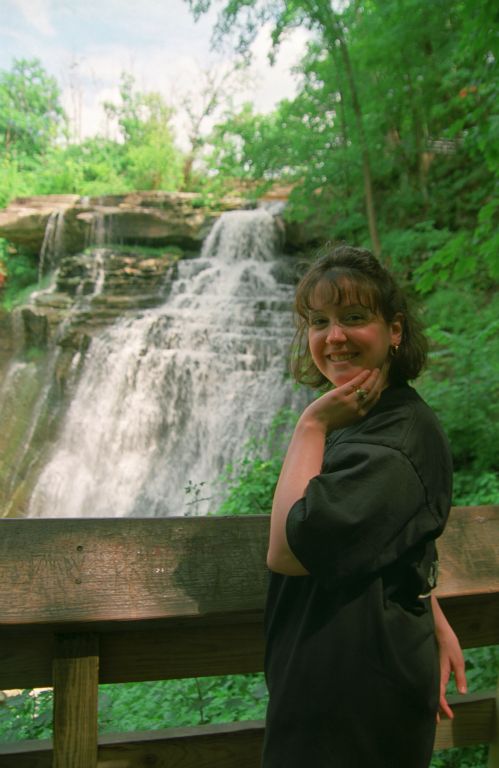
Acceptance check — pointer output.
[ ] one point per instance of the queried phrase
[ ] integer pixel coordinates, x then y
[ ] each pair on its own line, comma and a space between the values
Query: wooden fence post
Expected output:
494, 744
75, 679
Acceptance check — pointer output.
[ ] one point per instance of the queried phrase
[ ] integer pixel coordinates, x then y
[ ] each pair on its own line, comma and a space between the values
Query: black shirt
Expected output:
351, 657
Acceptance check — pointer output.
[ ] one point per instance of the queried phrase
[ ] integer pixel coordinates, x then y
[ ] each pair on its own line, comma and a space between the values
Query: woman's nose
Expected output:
335, 333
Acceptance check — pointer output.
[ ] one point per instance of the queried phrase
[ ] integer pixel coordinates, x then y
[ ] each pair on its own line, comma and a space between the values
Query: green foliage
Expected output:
34, 162
413, 248
21, 272
461, 384
176, 703
405, 87
152, 161
15, 179
248, 487
482, 667
467, 757
472, 488
95, 166
27, 715
145, 706
30, 112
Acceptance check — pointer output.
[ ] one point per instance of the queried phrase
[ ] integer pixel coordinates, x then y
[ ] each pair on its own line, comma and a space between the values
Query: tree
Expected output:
31, 115
201, 106
319, 17
153, 162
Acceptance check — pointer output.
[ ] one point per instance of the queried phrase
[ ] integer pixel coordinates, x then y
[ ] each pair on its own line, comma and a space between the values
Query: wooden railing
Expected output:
94, 601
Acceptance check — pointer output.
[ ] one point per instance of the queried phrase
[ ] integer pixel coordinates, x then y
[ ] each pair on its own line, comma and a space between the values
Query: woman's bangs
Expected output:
338, 288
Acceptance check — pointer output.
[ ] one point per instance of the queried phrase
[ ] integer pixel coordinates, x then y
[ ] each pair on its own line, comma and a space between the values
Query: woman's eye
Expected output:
353, 318
317, 321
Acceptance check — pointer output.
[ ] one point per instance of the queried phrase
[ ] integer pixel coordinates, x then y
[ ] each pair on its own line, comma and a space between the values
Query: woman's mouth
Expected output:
343, 358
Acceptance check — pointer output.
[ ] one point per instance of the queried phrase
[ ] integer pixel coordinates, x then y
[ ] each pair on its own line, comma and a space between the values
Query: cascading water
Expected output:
101, 231
170, 398
52, 244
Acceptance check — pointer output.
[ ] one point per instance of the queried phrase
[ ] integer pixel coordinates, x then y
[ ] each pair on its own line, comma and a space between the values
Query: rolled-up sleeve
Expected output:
361, 515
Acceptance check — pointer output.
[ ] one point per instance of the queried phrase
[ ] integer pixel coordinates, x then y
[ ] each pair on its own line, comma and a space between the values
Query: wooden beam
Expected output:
161, 653
120, 577
35, 753
75, 678
494, 741
213, 746
185, 651
469, 552
196, 649
472, 724
474, 618
76, 572
80, 571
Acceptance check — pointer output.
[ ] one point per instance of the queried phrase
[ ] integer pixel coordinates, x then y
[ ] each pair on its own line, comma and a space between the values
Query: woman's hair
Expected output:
346, 273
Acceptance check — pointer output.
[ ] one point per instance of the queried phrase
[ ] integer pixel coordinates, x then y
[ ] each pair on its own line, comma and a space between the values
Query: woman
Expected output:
352, 659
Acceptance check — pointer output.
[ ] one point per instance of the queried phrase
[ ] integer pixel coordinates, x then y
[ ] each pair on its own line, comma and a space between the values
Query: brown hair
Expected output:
355, 272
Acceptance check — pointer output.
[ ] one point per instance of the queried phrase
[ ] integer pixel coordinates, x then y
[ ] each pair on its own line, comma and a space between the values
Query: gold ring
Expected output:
361, 394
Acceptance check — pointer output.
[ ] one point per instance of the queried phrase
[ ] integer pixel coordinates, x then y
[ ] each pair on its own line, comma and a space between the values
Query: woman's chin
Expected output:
338, 378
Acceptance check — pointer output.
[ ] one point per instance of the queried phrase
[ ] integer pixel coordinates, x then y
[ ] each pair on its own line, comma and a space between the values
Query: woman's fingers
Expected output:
445, 708
366, 388
460, 674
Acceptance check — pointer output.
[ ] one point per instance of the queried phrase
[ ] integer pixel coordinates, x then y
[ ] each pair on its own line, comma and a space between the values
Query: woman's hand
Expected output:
346, 404
451, 658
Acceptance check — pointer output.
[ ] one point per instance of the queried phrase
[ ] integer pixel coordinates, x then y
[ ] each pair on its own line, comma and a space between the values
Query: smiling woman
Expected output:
352, 298
347, 339
364, 491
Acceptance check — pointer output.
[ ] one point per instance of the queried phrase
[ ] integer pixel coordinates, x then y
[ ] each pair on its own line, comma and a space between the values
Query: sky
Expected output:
87, 44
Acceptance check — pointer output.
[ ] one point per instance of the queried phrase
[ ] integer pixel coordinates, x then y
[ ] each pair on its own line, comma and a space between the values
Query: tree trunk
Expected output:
419, 144
326, 18
366, 163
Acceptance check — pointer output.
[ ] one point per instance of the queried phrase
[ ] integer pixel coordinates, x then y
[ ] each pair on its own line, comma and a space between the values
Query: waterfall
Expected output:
101, 230
169, 398
52, 244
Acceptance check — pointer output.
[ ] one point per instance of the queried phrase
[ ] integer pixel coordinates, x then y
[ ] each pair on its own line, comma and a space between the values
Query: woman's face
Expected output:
348, 338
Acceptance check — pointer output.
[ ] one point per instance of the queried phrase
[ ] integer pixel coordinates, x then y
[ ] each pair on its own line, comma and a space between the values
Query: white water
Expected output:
171, 397
52, 243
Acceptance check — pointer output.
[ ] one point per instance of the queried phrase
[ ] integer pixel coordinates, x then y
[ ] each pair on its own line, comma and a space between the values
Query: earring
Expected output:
394, 348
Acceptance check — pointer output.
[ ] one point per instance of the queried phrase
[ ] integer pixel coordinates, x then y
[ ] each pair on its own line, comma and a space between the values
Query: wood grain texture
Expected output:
132, 570
231, 745
473, 721
475, 618
201, 604
469, 552
35, 753
75, 571
494, 742
75, 676
228, 745
161, 653
196, 649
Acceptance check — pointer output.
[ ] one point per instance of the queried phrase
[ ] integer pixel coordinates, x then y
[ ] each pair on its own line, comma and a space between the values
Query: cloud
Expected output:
37, 13
276, 82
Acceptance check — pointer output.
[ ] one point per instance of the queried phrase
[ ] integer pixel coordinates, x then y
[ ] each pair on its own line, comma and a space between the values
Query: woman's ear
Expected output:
397, 329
